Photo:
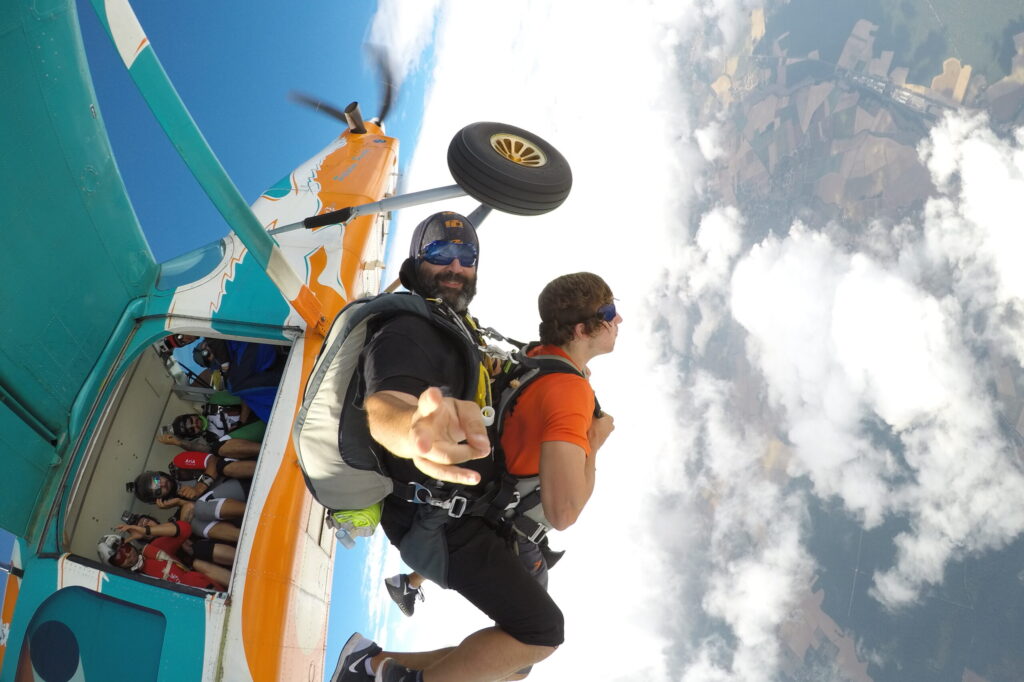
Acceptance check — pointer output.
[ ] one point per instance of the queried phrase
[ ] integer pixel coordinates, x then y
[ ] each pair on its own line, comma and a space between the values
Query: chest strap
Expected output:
455, 502
500, 504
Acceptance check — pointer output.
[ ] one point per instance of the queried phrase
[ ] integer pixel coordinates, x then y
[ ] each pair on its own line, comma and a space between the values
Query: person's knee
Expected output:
544, 632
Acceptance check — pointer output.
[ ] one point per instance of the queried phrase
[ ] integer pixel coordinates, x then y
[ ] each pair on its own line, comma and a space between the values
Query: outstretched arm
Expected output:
430, 431
162, 530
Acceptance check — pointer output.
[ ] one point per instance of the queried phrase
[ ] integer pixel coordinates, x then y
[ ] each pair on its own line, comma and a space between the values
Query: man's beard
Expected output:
458, 299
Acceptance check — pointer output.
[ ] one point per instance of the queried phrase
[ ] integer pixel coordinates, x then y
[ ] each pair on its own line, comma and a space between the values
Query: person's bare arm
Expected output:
567, 474
430, 431
566, 481
161, 530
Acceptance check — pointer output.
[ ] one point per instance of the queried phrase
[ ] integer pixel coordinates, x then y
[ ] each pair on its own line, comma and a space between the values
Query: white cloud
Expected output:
974, 229
757, 565
847, 347
709, 141
406, 28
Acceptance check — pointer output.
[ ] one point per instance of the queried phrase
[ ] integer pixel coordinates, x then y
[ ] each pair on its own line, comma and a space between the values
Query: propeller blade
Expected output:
379, 54
318, 105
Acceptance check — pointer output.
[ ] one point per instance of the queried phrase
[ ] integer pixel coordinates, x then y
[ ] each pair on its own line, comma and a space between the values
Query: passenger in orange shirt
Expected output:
556, 428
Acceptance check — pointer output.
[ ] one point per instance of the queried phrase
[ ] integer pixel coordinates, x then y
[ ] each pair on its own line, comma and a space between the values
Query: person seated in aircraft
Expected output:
205, 468
222, 553
156, 559
252, 371
214, 519
199, 433
203, 509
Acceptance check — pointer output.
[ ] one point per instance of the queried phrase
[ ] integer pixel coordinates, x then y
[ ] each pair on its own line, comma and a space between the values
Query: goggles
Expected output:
606, 312
441, 252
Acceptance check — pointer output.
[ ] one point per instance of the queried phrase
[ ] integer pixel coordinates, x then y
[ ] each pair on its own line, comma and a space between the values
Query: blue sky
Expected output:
233, 64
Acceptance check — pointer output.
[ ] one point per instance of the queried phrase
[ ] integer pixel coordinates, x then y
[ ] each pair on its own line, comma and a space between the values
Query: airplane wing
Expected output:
73, 255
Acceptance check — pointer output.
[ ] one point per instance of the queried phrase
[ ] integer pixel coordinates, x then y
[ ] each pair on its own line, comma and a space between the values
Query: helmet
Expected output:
108, 547
148, 486
447, 226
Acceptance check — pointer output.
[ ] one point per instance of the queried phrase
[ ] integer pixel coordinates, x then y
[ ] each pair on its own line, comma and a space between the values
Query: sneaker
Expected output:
392, 671
402, 593
352, 660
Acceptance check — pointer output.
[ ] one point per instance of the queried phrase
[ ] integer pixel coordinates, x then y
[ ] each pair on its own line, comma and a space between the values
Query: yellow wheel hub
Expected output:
518, 150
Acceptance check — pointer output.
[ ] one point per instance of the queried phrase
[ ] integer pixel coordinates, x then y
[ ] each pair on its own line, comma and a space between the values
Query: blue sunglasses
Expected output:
606, 312
441, 252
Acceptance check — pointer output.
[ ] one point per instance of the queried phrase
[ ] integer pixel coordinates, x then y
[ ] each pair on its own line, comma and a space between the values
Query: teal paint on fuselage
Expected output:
184, 616
72, 630
281, 188
73, 254
250, 296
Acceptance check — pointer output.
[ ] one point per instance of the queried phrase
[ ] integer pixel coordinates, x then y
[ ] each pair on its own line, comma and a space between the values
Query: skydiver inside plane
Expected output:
157, 558
211, 512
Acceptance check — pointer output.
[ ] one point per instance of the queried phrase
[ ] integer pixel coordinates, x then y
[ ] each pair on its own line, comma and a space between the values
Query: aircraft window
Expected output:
191, 266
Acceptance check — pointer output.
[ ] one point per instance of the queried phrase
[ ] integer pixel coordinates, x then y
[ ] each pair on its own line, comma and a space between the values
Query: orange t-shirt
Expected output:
556, 407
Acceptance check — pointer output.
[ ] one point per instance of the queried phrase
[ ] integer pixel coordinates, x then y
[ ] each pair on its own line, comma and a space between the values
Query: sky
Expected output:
234, 64
694, 549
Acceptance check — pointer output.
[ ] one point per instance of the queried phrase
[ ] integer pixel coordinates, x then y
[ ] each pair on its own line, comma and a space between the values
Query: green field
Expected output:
922, 33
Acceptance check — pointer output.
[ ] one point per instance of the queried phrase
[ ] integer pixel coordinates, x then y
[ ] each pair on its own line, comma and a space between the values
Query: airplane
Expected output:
87, 379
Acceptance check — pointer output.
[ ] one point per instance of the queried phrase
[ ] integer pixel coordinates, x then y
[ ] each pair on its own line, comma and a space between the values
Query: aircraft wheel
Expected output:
509, 169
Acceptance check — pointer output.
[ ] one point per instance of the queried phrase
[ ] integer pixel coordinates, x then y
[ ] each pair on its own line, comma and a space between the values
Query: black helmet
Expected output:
446, 226
148, 486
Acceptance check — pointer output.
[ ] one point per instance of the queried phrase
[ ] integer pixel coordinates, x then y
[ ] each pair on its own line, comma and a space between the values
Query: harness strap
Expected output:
531, 530
499, 499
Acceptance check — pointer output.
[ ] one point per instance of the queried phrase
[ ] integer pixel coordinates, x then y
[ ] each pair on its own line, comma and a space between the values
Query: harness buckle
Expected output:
538, 534
514, 502
455, 505
421, 494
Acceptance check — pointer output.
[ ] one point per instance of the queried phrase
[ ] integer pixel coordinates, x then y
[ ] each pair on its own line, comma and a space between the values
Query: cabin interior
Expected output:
153, 391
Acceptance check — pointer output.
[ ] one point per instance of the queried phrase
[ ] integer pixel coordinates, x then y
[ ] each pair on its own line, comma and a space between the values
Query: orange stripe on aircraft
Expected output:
269, 628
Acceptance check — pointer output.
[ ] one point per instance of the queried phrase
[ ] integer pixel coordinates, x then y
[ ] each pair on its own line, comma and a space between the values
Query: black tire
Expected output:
532, 183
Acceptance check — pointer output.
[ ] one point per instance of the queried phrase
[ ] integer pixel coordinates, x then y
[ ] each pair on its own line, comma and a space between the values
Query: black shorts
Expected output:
485, 569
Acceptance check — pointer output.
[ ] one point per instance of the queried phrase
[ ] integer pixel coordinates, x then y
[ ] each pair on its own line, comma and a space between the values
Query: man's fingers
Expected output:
429, 401
446, 472
425, 423
472, 427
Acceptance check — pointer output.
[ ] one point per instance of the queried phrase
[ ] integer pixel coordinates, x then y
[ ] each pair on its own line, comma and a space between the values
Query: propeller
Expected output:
379, 56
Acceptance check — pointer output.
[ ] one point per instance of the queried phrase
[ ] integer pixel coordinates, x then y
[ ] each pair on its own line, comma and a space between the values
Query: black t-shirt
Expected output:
410, 354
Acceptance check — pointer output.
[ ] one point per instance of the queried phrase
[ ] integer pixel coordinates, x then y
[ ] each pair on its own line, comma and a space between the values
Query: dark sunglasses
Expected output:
441, 252
606, 312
